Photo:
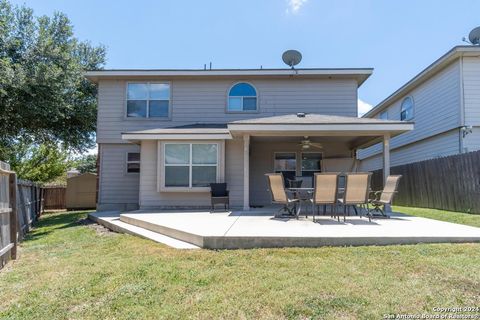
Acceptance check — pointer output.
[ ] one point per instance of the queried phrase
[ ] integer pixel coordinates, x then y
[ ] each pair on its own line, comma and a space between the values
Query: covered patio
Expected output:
258, 228
335, 139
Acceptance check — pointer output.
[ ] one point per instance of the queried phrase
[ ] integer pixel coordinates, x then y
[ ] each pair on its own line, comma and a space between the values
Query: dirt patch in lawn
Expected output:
99, 229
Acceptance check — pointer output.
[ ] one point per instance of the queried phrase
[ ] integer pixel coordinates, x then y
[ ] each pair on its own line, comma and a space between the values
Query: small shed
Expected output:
81, 191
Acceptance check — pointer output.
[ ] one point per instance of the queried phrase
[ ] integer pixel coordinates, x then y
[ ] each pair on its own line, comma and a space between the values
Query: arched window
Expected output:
242, 97
406, 111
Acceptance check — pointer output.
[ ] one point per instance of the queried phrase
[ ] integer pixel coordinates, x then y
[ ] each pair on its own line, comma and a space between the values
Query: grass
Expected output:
69, 270
448, 216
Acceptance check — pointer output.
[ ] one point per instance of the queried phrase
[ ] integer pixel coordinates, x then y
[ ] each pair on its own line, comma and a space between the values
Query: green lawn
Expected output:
449, 216
69, 270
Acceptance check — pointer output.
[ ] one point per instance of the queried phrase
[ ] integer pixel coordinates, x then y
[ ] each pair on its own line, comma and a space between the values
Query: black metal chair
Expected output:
219, 195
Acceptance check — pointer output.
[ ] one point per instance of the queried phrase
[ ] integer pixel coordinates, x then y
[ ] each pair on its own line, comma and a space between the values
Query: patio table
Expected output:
298, 192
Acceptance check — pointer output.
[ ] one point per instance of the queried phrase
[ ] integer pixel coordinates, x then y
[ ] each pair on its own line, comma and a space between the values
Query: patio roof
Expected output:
194, 131
364, 131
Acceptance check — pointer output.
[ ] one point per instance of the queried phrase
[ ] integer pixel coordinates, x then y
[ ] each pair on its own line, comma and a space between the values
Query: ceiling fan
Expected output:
307, 144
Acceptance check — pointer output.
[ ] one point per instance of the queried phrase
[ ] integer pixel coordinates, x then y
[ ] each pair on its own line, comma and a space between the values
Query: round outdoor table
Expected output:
297, 191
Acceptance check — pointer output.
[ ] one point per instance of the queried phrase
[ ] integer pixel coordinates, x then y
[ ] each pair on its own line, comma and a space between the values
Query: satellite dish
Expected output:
291, 58
474, 36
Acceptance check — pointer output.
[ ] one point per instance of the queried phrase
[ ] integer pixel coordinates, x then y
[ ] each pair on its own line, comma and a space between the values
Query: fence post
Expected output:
12, 186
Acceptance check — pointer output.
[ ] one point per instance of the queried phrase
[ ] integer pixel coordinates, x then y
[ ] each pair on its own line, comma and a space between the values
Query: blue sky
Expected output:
397, 38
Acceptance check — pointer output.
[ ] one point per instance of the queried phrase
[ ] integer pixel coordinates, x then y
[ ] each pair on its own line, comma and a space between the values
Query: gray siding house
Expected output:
444, 103
164, 135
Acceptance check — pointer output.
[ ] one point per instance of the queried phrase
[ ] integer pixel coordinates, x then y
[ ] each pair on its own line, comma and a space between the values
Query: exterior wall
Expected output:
118, 190
262, 162
444, 144
437, 109
471, 93
471, 142
194, 101
198, 101
151, 198
471, 90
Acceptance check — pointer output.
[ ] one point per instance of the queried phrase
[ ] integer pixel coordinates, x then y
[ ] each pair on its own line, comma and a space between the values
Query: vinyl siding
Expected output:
444, 144
471, 142
118, 189
205, 101
234, 171
261, 162
437, 110
471, 90
151, 198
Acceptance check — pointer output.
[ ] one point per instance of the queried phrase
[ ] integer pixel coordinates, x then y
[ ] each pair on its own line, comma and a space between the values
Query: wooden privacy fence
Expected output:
54, 198
20, 205
447, 183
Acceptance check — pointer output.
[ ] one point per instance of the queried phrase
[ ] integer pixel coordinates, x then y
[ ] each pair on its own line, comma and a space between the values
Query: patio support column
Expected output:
246, 172
386, 157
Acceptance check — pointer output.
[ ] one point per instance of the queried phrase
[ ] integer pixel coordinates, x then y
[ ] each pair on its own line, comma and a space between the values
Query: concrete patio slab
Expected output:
258, 228
111, 220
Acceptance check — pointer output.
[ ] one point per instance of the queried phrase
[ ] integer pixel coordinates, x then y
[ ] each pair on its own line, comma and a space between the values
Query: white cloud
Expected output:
363, 107
293, 6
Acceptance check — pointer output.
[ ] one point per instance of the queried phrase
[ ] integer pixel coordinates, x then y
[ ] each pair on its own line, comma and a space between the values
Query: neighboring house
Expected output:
164, 135
444, 103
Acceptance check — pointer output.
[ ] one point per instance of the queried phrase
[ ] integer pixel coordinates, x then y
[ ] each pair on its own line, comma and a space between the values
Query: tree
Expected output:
40, 163
87, 163
44, 96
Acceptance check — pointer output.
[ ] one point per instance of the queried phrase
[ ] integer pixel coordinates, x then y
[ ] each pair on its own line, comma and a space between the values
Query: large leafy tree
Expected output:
45, 101
87, 163
43, 163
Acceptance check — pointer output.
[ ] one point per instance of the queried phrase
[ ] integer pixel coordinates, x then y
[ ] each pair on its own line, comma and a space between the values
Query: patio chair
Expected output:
357, 189
280, 195
325, 191
385, 196
219, 195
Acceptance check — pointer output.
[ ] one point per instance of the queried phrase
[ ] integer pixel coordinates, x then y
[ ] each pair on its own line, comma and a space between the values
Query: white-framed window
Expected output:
242, 97
383, 115
311, 163
190, 165
406, 110
286, 163
133, 162
148, 100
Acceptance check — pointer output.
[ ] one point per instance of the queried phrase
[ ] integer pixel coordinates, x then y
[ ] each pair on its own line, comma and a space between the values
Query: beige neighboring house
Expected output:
164, 135
444, 103
81, 191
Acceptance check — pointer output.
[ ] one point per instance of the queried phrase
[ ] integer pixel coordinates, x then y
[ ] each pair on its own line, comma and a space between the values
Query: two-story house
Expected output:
164, 135
444, 103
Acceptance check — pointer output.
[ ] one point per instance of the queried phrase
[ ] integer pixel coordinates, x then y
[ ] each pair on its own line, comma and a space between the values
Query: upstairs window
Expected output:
148, 100
242, 97
406, 111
